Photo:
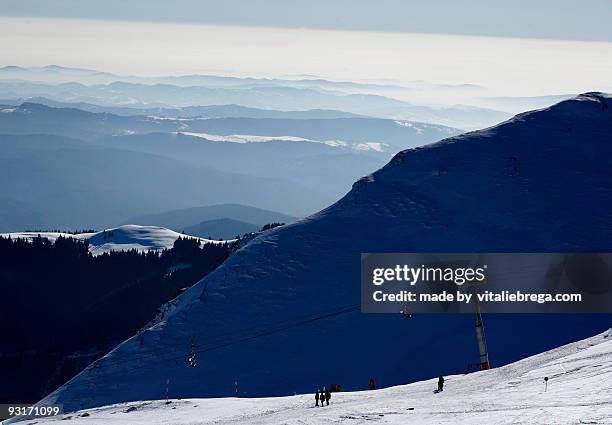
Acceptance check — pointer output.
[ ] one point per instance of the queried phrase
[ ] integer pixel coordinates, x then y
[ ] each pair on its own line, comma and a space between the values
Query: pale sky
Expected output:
552, 19
507, 65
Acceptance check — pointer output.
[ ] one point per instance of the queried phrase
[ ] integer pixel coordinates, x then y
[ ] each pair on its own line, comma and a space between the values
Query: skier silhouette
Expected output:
317, 398
441, 383
327, 397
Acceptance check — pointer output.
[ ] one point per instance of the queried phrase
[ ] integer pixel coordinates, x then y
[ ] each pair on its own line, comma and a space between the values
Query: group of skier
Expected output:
323, 395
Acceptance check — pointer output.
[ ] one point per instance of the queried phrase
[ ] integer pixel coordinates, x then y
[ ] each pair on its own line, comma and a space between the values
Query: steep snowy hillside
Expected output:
579, 388
281, 315
122, 238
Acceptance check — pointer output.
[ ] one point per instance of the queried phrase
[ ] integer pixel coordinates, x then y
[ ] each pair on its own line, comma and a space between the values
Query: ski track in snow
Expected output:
579, 392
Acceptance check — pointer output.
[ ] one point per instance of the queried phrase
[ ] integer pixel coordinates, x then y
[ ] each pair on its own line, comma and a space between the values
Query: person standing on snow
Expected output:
327, 397
317, 398
441, 383
372, 383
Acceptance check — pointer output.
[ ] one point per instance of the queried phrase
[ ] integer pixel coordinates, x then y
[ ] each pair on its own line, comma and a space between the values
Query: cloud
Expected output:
507, 65
550, 19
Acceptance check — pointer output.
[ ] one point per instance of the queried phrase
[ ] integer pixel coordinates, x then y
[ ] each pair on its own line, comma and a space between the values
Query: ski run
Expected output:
579, 391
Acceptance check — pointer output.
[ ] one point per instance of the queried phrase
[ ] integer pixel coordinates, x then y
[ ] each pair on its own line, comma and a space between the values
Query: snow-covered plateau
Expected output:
122, 238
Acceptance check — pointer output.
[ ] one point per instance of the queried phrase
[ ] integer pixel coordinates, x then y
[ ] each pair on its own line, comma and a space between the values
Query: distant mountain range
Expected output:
217, 221
54, 182
373, 99
34, 118
222, 228
211, 111
68, 168
61, 74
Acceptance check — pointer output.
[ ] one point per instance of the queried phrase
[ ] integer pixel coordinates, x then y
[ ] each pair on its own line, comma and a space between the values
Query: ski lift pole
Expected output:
482, 343
480, 336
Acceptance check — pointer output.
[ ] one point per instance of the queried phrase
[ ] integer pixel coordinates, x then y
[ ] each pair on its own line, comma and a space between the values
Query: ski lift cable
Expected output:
220, 338
234, 338
234, 334
229, 343
220, 341
255, 327
227, 337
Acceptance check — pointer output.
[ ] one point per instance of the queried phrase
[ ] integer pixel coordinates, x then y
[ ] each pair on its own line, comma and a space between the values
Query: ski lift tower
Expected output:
480, 333
482, 342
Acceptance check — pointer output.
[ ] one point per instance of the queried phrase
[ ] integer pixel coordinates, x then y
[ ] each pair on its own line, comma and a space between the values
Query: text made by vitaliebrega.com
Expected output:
503, 283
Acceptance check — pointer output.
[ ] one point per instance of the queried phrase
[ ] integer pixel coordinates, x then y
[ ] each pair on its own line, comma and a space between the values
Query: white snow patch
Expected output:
371, 146
158, 118
246, 138
249, 138
336, 143
126, 133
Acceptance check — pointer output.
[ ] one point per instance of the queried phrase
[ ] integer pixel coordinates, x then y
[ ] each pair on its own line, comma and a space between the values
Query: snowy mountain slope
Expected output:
279, 315
122, 238
579, 391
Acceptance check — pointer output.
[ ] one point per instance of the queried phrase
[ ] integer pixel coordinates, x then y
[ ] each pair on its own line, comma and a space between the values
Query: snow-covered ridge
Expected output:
249, 138
244, 138
579, 391
123, 238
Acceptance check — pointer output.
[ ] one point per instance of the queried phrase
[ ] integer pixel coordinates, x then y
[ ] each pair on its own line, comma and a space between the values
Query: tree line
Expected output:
61, 307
